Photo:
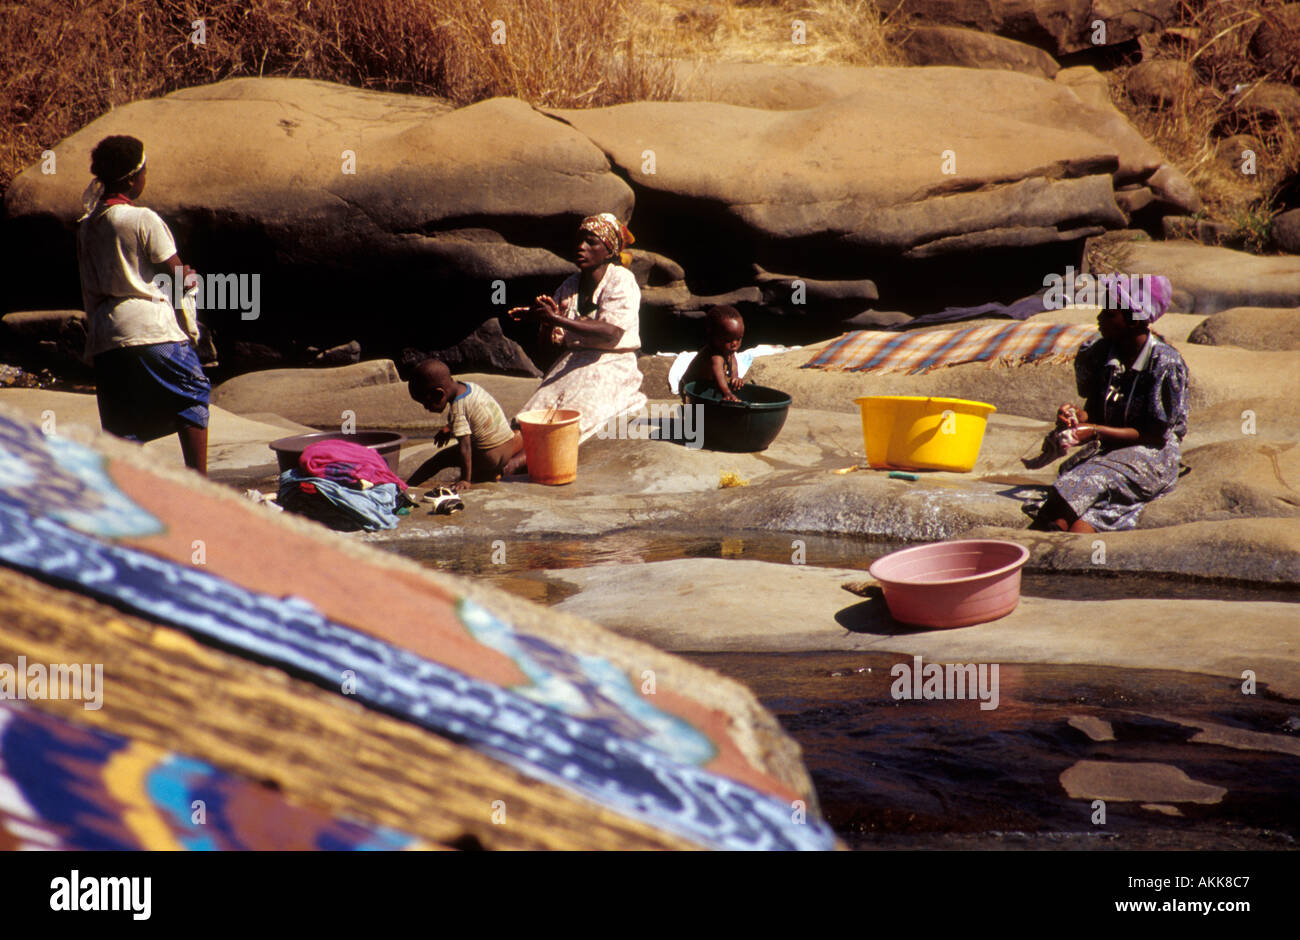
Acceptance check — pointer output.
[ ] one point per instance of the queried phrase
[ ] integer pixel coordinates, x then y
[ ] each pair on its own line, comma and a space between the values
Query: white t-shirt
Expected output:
116, 249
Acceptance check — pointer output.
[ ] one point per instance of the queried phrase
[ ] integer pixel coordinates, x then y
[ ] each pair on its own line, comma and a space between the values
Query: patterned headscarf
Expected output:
612, 233
1146, 297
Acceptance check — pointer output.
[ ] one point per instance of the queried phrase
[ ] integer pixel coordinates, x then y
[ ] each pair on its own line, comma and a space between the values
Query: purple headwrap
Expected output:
1146, 296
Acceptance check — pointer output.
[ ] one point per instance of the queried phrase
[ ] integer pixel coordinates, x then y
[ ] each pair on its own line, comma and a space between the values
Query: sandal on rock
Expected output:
445, 501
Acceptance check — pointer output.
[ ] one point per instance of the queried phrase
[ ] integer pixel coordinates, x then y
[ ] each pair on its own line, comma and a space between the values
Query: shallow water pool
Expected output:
946, 774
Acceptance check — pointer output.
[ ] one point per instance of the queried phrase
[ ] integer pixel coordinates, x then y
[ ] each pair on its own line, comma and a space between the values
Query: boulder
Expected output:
1216, 279
1268, 104
1250, 328
1059, 26
1173, 190
1133, 199
1159, 83
55, 335
1232, 151
1027, 173
487, 349
1275, 44
1286, 231
764, 86
789, 88
344, 354
969, 48
815, 297
381, 217
654, 270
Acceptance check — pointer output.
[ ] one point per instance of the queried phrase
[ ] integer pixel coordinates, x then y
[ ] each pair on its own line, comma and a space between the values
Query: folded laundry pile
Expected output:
345, 486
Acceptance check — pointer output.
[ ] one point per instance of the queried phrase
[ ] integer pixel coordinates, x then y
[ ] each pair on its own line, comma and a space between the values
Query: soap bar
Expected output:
899, 475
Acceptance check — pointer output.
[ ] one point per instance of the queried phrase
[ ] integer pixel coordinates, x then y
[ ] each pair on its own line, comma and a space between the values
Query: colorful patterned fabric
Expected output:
1009, 344
347, 462
408, 648
612, 233
63, 786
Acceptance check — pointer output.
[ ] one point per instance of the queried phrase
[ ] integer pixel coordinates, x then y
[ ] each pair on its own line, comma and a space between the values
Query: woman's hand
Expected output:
545, 307
1067, 416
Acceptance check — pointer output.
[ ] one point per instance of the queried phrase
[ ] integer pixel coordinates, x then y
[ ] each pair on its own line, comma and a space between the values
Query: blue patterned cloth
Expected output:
339, 506
575, 722
144, 392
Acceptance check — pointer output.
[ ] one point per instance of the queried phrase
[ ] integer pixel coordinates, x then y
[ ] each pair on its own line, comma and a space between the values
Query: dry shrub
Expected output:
835, 32
1189, 131
65, 62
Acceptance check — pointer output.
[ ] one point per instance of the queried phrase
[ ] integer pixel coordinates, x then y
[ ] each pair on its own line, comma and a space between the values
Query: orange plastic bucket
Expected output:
551, 447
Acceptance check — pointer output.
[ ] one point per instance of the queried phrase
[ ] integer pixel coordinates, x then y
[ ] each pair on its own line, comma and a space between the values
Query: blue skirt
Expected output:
148, 392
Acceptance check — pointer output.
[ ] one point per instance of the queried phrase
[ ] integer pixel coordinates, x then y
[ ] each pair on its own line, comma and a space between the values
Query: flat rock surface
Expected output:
370, 390
732, 605
1125, 781
1219, 278
237, 445
1231, 516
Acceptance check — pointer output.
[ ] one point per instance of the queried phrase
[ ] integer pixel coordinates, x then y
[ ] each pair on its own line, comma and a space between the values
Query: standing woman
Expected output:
1135, 390
148, 379
595, 316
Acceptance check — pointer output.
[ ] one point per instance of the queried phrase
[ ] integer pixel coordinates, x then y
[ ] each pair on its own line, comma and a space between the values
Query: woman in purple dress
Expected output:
1134, 387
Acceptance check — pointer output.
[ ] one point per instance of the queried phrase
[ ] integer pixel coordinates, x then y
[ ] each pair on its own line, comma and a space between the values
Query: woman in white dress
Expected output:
595, 316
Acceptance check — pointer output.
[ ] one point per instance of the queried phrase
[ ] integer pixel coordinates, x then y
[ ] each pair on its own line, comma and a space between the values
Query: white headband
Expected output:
93, 197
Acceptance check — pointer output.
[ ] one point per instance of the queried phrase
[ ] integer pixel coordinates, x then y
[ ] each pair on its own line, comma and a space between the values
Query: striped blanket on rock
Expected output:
925, 351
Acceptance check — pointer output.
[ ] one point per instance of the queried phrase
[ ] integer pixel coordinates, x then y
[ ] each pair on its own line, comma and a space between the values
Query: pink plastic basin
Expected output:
952, 584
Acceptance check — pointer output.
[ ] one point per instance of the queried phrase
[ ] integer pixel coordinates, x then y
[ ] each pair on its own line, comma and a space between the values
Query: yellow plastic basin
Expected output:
911, 432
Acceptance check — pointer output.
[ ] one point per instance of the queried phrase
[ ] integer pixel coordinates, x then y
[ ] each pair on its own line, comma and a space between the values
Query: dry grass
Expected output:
1191, 130
834, 32
65, 62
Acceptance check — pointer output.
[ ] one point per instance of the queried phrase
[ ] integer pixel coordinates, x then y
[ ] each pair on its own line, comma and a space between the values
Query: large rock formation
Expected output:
838, 172
399, 223
380, 217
